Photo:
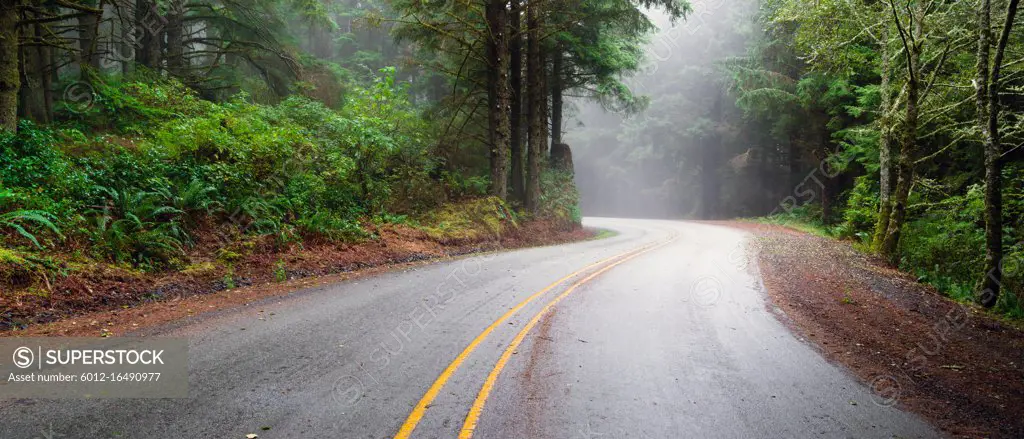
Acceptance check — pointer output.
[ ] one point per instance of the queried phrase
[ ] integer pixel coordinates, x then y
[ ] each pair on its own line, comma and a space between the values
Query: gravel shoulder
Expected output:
949, 362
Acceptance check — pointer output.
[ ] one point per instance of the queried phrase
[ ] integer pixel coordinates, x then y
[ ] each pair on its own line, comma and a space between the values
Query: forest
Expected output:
156, 135
148, 137
895, 125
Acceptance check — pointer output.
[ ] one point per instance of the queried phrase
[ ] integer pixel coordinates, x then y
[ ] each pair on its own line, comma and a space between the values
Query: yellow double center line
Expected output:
477, 408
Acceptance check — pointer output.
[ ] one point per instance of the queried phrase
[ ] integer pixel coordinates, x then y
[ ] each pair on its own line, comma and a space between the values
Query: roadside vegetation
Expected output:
146, 146
154, 180
895, 124
918, 114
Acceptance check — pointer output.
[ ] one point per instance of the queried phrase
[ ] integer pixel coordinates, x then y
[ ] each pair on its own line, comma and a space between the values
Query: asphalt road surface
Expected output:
672, 339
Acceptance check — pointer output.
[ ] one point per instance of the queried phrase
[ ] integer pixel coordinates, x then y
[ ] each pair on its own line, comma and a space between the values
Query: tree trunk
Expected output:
31, 103
793, 164
884, 149
88, 42
498, 98
44, 58
535, 97
149, 28
825, 189
544, 105
710, 148
516, 83
175, 34
992, 280
127, 49
10, 82
25, 90
556, 97
908, 150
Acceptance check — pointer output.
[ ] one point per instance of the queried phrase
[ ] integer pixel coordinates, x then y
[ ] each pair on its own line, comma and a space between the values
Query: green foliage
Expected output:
171, 165
559, 198
945, 245
470, 219
20, 220
861, 211
461, 186
136, 226
33, 165
280, 272
331, 226
131, 103
229, 279
806, 218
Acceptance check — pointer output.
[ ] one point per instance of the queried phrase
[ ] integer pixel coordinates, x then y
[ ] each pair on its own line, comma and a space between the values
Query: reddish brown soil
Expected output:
112, 301
949, 362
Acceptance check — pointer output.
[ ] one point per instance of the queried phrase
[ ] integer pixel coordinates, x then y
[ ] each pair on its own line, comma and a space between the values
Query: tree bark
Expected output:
498, 98
545, 90
536, 96
556, 97
825, 183
992, 275
31, 100
908, 150
175, 34
149, 28
10, 82
25, 101
88, 42
884, 148
127, 49
516, 84
44, 57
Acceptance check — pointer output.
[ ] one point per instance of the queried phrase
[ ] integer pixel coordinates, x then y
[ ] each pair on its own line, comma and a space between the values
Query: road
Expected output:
671, 340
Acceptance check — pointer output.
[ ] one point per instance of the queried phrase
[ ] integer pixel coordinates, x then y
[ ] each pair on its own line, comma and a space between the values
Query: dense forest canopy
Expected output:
132, 130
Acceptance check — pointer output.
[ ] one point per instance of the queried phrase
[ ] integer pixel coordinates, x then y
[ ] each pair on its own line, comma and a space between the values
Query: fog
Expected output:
652, 164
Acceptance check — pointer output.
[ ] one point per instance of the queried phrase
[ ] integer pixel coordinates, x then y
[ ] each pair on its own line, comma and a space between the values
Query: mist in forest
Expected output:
661, 163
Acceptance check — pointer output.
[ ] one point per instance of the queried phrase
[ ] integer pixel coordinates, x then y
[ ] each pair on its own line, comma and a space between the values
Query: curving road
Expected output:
670, 338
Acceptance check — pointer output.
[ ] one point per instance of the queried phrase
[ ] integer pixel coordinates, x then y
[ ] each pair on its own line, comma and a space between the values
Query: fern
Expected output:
142, 227
18, 220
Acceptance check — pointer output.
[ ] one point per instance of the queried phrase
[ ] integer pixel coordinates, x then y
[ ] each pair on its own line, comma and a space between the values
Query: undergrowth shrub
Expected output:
861, 211
470, 219
944, 245
24, 222
165, 163
559, 198
148, 170
135, 226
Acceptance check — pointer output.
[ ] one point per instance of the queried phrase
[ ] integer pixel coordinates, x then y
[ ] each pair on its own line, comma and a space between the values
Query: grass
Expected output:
797, 223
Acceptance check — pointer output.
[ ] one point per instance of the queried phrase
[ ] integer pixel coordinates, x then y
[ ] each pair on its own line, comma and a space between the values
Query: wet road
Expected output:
660, 331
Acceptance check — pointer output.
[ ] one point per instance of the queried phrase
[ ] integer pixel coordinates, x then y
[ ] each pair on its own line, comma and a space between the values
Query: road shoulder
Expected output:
949, 362
183, 298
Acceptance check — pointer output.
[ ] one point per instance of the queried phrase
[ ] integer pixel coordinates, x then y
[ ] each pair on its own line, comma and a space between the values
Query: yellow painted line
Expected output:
421, 407
485, 391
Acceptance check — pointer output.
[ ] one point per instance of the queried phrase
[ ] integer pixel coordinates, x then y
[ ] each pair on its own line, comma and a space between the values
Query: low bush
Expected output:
559, 198
164, 164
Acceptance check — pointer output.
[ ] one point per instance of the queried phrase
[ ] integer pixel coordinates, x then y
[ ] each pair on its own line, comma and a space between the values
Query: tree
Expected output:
498, 95
10, 80
516, 116
536, 97
988, 109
